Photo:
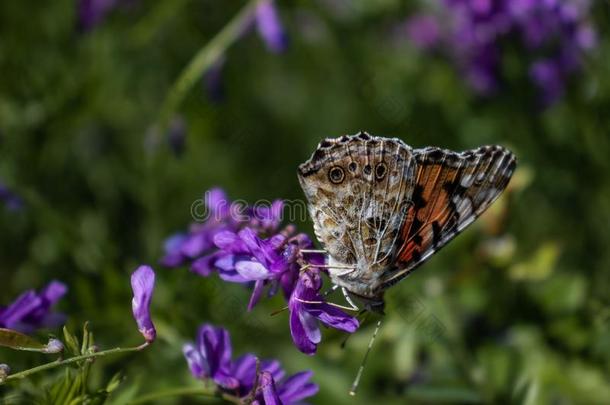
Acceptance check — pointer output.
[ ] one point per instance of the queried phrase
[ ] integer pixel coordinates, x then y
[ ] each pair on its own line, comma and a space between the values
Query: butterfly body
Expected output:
381, 208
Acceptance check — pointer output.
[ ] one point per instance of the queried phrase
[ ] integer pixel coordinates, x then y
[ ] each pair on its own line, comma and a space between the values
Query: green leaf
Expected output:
19, 341
85, 344
115, 381
71, 341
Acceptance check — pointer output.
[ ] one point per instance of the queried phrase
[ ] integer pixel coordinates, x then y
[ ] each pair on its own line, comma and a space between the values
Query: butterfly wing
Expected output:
358, 188
450, 191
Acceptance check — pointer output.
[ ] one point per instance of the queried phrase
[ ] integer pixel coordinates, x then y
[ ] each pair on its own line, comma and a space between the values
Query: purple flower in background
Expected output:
199, 245
32, 311
212, 81
547, 75
423, 31
11, 200
176, 136
210, 358
554, 34
307, 307
270, 27
92, 12
143, 284
187, 247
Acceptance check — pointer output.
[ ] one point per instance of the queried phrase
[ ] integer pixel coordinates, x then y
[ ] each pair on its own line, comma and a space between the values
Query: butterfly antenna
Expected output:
352, 392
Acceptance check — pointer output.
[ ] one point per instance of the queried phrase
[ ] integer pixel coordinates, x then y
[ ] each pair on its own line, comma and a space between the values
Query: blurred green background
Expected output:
516, 309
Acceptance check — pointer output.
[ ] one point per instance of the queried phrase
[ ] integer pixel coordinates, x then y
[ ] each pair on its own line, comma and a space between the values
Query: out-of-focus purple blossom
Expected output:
423, 31
547, 75
143, 285
176, 136
212, 81
92, 12
270, 27
199, 248
218, 216
307, 307
472, 30
210, 358
11, 200
32, 311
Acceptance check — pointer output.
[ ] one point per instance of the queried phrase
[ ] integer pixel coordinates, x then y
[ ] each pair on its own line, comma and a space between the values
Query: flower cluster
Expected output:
32, 311
211, 358
554, 32
246, 245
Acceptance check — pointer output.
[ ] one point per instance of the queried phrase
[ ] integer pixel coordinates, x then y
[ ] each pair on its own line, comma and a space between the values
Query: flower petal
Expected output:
194, 360
299, 336
267, 386
244, 369
143, 284
256, 294
310, 325
215, 347
14, 314
297, 387
251, 270
204, 266
270, 27
335, 318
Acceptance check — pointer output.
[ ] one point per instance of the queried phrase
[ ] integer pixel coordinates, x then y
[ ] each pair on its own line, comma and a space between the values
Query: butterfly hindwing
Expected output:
450, 191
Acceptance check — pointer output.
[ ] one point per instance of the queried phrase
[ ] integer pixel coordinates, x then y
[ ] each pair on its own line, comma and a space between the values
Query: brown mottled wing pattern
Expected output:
450, 191
358, 187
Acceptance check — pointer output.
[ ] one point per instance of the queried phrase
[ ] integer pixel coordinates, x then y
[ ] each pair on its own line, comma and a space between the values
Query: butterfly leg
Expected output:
354, 307
329, 303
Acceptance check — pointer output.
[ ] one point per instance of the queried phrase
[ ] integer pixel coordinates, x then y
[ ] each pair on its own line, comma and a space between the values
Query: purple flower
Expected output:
423, 31
11, 200
473, 32
274, 262
186, 247
270, 27
307, 307
211, 359
546, 74
31, 310
212, 81
92, 12
143, 284
176, 136
249, 249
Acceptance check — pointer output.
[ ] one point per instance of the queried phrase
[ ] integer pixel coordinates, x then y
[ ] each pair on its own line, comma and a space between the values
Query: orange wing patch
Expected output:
450, 191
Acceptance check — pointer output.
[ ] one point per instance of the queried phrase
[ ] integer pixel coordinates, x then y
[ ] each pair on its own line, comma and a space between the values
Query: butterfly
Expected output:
381, 208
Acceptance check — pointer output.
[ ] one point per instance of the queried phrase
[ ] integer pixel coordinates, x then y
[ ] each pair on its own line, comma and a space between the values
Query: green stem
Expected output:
57, 363
203, 60
186, 391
